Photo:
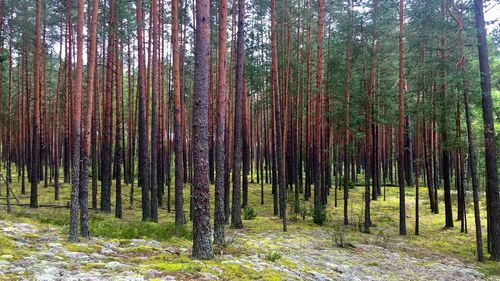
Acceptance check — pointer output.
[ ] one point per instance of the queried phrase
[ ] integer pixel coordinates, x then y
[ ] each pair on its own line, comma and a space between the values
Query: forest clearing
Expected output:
249, 140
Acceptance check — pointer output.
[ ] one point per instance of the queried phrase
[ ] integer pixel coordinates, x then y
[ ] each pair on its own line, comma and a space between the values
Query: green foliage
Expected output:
383, 238
340, 237
319, 216
273, 256
249, 213
119, 229
7, 246
351, 184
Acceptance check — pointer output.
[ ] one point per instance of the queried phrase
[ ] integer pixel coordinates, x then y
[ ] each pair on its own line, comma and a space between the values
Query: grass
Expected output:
384, 214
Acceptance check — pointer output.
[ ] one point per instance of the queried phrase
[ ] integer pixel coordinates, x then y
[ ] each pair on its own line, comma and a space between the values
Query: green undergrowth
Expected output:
7, 246
433, 238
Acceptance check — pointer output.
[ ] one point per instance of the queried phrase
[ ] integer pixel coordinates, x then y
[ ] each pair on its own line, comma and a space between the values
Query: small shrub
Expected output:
351, 184
273, 256
249, 213
340, 237
298, 213
304, 212
383, 238
319, 217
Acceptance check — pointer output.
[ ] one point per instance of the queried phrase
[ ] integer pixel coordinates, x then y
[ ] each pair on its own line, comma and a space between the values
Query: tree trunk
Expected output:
492, 190
220, 152
154, 113
35, 152
84, 228
77, 116
107, 133
279, 137
142, 126
401, 127
238, 118
202, 244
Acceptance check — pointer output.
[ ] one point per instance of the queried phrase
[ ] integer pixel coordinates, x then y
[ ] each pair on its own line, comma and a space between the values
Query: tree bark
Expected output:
178, 132
142, 126
202, 244
77, 116
401, 127
238, 118
492, 189
220, 152
35, 152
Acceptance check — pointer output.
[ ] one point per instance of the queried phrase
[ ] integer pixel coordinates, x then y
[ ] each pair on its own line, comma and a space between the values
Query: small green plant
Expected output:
249, 213
339, 237
383, 238
351, 184
273, 256
319, 216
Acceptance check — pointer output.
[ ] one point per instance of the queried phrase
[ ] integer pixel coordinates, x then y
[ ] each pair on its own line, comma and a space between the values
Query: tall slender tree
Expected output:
492, 189
319, 84
180, 219
142, 126
280, 165
77, 117
35, 151
92, 62
154, 112
401, 127
220, 153
238, 118
202, 244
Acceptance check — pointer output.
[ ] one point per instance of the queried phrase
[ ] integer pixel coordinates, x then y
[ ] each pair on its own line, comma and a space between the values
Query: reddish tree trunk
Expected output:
401, 127
35, 152
220, 152
77, 116
178, 132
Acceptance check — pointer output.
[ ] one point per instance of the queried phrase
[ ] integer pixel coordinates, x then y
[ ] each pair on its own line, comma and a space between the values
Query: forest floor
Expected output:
34, 245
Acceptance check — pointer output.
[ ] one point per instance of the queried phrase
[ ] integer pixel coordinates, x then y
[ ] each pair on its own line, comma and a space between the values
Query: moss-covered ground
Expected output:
260, 251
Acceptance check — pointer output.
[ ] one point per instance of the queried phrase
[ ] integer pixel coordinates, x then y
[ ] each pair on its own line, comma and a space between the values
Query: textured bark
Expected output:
457, 15
77, 116
319, 95
84, 228
8, 137
178, 132
35, 151
445, 168
347, 83
202, 244
154, 113
143, 137
220, 152
118, 143
238, 118
492, 189
280, 163
245, 146
107, 133
401, 127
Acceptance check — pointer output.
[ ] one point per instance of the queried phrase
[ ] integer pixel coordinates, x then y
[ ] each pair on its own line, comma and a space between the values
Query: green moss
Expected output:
31, 236
7, 245
490, 268
169, 267
172, 262
92, 265
141, 249
244, 271
80, 247
287, 263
